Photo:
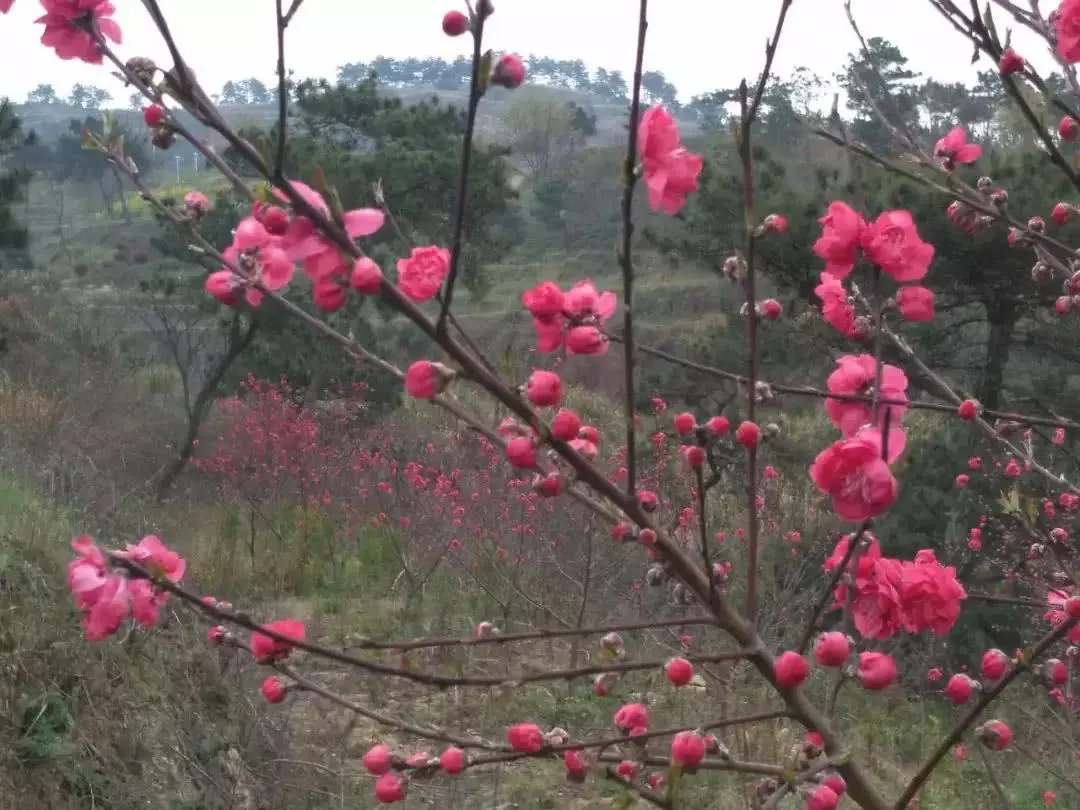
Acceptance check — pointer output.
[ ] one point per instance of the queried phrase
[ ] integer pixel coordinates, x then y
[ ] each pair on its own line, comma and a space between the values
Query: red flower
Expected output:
420, 276
893, 244
687, 749
915, 302
1067, 27
877, 606
838, 245
670, 171
70, 40
266, 649
631, 717
876, 670
525, 737
856, 375
856, 477
835, 307
953, 148
790, 669
931, 595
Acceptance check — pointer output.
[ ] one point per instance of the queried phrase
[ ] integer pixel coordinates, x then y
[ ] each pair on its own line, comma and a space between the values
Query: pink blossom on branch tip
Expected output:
670, 171
1066, 23
64, 35
854, 475
954, 148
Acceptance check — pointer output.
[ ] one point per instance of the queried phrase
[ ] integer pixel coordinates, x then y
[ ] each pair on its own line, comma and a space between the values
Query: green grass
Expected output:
75, 708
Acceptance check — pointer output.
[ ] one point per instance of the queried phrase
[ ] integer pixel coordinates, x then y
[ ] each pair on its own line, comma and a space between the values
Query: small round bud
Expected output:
454, 23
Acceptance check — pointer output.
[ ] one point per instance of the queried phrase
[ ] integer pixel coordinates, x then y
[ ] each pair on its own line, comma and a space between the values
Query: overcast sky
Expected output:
700, 45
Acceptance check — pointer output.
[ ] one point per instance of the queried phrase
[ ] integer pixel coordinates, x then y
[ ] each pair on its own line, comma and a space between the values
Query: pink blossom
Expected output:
954, 148
893, 244
584, 301
838, 245
837, 310
915, 302
931, 595
421, 274
1067, 26
266, 649
87, 572
549, 334
853, 473
586, 340
545, 301
70, 41
877, 603
156, 557
669, 169
857, 375
110, 607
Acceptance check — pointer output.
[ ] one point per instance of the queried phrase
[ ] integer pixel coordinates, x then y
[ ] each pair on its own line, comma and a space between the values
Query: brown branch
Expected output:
987, 698
625, 257
477, 86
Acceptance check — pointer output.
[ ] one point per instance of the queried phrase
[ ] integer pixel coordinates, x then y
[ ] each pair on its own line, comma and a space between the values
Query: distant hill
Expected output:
50, 120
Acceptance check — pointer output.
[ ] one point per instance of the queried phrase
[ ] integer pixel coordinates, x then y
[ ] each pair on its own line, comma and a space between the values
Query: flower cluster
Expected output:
106, 592
854, 471
572, 319
889, 594
891, 243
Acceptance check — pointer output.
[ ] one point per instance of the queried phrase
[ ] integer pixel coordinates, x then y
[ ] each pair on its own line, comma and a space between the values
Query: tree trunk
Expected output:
1002, 316
239, 340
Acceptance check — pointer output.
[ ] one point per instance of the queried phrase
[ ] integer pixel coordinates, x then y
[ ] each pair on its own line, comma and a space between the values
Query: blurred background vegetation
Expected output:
127, 407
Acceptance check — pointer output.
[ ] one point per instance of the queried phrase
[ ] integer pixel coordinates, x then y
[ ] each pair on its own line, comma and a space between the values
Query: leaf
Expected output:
108, 124
484, 75
88, 140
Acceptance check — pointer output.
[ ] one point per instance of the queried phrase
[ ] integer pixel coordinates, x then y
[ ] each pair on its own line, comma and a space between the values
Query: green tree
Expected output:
14, 180
879, 81
543, 132
43, 94
359, 137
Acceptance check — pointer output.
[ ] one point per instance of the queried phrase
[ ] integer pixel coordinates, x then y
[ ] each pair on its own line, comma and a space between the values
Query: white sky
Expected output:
700, 45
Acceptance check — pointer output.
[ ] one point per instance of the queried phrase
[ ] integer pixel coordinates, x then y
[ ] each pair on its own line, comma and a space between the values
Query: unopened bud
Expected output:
163, 138
735, 268
1037, 224
613, 643
509, 71
557, 736
999, 196
771, 430
142, 67
1041, 273
682, 595
984, 183
655, 576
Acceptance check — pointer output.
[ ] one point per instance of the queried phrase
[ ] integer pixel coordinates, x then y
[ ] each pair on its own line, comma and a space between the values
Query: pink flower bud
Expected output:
509, 71
454, 23
790, 669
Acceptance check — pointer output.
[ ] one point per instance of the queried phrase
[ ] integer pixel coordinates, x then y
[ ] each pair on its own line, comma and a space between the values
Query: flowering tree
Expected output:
871, 284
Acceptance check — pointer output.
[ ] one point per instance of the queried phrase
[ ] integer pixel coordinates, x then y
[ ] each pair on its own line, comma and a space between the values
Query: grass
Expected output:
82, 716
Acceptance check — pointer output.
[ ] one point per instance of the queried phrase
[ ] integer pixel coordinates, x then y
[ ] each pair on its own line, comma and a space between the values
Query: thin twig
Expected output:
625, 257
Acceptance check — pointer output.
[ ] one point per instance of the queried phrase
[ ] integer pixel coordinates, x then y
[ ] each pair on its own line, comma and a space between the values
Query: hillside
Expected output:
49, 120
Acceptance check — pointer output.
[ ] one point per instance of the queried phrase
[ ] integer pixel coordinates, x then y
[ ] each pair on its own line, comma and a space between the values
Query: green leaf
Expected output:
108, 125
484, 74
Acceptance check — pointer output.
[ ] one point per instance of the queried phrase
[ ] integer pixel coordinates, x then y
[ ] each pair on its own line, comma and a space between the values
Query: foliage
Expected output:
14, 236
